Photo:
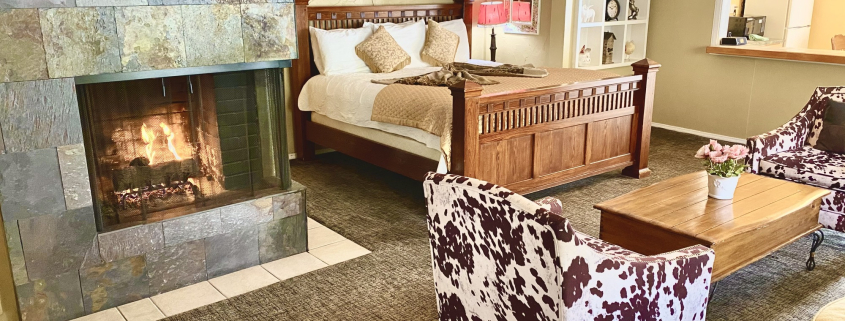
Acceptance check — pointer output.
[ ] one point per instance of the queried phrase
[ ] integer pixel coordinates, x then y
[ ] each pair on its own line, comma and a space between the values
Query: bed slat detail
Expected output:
499, 116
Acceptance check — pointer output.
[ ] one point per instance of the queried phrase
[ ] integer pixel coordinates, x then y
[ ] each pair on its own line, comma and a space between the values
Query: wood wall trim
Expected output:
792, 54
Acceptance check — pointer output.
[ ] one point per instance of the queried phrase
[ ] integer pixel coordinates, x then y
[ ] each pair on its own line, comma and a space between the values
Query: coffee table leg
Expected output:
712, 290
818, 238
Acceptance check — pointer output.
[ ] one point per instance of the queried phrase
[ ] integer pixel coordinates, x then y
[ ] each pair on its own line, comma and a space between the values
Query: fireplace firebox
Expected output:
159, 148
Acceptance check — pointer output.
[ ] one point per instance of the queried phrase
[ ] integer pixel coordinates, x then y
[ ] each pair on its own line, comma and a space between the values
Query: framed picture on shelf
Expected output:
525, 17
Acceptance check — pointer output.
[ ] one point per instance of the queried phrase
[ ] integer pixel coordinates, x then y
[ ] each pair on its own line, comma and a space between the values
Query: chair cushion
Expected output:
807, 165
832, 135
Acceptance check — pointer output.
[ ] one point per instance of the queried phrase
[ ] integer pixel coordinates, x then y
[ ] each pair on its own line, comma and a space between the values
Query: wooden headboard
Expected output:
347, 17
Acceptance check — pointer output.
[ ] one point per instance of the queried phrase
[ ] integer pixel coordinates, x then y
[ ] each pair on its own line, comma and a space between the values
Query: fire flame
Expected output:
149, 137
170, 135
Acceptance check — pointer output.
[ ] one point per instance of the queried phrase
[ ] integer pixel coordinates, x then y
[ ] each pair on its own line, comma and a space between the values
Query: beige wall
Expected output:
828, 21
731, 96
738, 5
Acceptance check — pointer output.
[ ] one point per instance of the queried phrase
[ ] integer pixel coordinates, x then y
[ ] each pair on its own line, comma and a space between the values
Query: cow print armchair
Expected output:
499, 256
788, 152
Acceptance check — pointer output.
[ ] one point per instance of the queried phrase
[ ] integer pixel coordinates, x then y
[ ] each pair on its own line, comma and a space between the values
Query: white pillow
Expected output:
338, 53
315, 48
459, 28
411, 37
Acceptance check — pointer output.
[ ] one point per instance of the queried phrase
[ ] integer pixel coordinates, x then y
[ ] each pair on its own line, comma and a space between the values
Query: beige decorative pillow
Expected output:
382, 53
440, 45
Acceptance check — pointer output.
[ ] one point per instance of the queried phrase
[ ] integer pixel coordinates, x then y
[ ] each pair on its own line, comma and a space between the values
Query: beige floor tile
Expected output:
294, 265
322, 236
243, 281
339, 252
107, 315
312, 224
141, 310
187, 298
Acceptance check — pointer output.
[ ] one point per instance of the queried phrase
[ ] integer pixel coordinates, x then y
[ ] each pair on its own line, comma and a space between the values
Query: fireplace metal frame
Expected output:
278, 97
83, 80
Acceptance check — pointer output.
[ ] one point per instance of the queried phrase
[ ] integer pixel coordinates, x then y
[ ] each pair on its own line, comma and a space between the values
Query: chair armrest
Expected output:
551, 204
790, 136
596, 284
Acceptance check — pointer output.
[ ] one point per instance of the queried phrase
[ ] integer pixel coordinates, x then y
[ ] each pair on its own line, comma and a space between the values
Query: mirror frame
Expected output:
524, 28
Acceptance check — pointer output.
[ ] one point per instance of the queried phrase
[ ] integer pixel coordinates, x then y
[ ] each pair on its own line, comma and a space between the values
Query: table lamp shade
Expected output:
492, 13
521, 11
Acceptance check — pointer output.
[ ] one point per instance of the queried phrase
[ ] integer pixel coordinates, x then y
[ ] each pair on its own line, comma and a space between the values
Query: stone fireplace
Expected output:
142, 148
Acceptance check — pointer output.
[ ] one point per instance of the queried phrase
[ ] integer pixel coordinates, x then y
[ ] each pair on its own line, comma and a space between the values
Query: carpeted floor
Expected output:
385, 213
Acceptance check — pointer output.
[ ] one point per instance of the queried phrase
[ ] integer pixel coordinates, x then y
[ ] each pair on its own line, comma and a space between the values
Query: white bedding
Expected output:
349, 98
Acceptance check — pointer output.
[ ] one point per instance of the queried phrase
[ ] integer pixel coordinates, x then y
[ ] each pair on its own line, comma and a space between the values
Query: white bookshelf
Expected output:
591, 34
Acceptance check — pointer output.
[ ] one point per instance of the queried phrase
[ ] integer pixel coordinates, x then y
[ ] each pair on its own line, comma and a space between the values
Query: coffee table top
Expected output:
680, 204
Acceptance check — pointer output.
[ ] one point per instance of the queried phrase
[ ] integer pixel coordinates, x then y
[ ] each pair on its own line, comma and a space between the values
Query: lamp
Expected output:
521, 11
492, 14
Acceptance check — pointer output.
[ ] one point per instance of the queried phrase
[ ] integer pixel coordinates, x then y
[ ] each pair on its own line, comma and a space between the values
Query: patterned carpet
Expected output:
385, 213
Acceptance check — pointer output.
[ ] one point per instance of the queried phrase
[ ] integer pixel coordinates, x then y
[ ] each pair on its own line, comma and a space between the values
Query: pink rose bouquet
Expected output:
723, 161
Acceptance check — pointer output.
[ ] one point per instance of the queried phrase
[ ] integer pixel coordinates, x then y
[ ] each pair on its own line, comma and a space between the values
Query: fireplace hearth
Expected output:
165, 147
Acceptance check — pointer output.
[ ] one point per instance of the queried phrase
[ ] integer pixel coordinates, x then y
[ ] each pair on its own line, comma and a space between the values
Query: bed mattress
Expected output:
349, 98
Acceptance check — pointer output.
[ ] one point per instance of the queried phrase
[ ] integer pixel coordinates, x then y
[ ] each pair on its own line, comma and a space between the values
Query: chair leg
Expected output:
818, 238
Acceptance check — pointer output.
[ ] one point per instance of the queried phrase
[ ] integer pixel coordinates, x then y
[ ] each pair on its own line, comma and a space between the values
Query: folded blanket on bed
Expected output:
454, 73
430, 108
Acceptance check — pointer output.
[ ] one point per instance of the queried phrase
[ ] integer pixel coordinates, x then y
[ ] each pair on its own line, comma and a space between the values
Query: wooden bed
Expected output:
525, 140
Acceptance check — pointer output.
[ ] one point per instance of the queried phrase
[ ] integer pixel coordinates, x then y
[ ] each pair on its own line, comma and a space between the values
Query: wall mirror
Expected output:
525, 17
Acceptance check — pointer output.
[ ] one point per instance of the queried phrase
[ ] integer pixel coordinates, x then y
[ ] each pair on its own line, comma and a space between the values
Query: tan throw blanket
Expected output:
430, 108
456, 72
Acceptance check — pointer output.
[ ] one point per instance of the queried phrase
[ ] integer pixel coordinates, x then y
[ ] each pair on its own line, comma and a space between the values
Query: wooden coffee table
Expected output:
764, 215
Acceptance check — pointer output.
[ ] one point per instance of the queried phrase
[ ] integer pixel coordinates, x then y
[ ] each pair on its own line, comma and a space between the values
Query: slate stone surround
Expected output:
62, 267
58, 39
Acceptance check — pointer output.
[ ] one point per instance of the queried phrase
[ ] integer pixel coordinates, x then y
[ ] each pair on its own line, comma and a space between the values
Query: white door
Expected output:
797, 37
800, 13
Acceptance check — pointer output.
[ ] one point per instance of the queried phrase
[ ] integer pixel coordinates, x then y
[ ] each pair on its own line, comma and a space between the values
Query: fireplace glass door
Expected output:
165, 147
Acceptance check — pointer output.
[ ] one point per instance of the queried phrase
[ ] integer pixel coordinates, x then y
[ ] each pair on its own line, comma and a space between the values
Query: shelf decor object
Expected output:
525, 17
492, 14
626, 20
609, 41
633, 10
611, 11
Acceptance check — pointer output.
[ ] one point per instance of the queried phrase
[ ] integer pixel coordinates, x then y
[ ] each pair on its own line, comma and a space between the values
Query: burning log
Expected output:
159, 174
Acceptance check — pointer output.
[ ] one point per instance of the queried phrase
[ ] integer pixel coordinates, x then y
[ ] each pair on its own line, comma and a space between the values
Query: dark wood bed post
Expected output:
300, 72
465, 148
644, 101
469, 18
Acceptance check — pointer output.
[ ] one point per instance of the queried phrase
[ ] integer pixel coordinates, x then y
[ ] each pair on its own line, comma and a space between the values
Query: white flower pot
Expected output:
722, 188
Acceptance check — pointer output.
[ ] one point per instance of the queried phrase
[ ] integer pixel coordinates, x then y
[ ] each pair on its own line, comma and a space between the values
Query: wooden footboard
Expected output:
535, 139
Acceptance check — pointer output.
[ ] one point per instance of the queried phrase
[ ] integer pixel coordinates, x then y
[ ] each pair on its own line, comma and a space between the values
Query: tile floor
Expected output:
325, 247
